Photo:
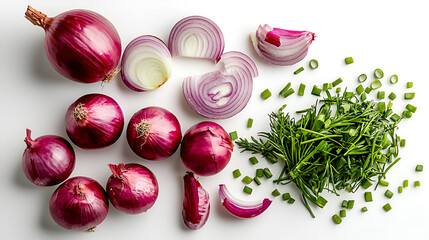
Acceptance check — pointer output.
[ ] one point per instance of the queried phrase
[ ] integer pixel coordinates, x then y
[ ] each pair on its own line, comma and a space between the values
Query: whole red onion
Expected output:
154, 133
80, 203
81, 45
196, 203
48, 160
206, 148
94, 121
132, 188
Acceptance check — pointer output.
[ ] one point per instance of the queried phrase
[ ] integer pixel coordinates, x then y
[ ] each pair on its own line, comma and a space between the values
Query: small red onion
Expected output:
206, 148
80, 203
132, 188
281, 47
239, 208
94, 121
48, 160
154, 133
196, 36
81, 45
196, 203
224, 93
146, 63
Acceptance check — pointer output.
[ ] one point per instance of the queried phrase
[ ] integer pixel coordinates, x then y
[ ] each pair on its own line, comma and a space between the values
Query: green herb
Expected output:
378, 73
343, 213
419, 168
362, 77
265, 94
363, 97
383, 183
405, 183
394, 79
350, 204
259, 172
247, 179
275, 193
388, 193
338, 90
409, 96
249, 122
410, 84
286, 196
407, 114
291, 200
233, 135
364, 209
267, 173
368, 197
366, 184
336, 82
247, 190
289, 92
376, 84
253, 160
257, 181
348, 60
402, 143
344, 203
400, 189
411, 108
360, 89
336, 219
325, 87
392, 96
236, 173
313, 64
301, 89
368, 90
284, 90
381, 94
387, 207
316, 91
416, 183
298, 70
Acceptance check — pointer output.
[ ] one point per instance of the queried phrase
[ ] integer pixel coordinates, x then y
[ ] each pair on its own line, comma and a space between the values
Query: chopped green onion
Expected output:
368, 90
344, 204
383, 183
291, 200
283, 91
330, 86
392, 96
336, 82
298, 70
363, 97
336, 219
289, 92
236, 173
350, 204
390, 105
301, 89
360, 89
267, 173
416, 183
249, 122
275, 193
325, 87
402, 143
368, 197
407, 114
271, 159
259, 172
419, 168
233, 135
247, 189
411, 108
316, 91
364, 209
376, 84
366, 184
338, 90
394, 79
348, 60
322, 201
400, 189
313, 64
409, 96
395, 117
378, 73
381, 106
362, 77
388, 193
405, 183
381, 94
410, 84
343, 213
257, 181
253, 160
247, 179
387, 207
265, 94
286, 196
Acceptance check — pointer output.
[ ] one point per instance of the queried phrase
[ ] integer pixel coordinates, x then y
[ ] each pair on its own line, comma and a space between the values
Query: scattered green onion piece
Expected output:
348, 60
350, 204
259, 172
338, 90
368, 197
343, 213
257, 181
298, 70
233, 135
325, 87
366, 184
253, 160
364, 209
289, 92
249, 122
267, 173
416, 183
402, 143
344, 204
381, 94
387, 207
400, 189
368, 90
405, 183
301, 89
322, 201
390, 105
275, 193
383, 183
247, 179
313, 64
411, 108
392, 96
271, 159
360, 89
409, 96
265, 94
283, 91
363, 97
330, 86
316, 91
236, 173
419, 168
286, 196
336, 219
291, 200
388, 193
410, 84
378, 73
247, 190
376, 84
362, 77
336, 82
394, 79
395, 117
407, 114
381, 106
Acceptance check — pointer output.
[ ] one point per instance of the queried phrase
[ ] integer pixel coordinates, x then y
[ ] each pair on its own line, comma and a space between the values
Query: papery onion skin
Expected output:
196, 203
80, 44
80, 203
197, 30
241, 209
206, 148
94, 121
154, 133
154, 50
47, 160
132, 188
280, 46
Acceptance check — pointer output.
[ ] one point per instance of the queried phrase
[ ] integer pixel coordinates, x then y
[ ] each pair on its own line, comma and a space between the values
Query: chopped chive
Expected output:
387, 207
313, 64
360, 89
336, 82
291, 200
265, 94
249, 122
376, 84
338, 90
394, 79
283, 91
402, 143
416, 183
364, 209
257, 181
253, 160
407, 114
322, 201
405, 183
362, 77
247, 189
363, 97
395, 117
298, 70
336, 219
259, 172
344, 204
271, 159
343, 213
330, 86
348, 60
409, 96
247, 179
381, 106
286, 196
381, 94
388, 193
233, 135
267, 173
236, 173
410, 84
350, 204
316, 91
400, 189
378, 73
411, 108
392, 96
368, 90
275, 193
325, 87
301, 89
383, 183
390, 105
419, 168
289, 92
366, 184
368, 197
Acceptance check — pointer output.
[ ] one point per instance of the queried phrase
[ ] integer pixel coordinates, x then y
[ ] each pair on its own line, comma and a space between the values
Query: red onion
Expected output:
146, 63
206, 148
224, 93
196, 36
239, 208
281, 47
132, 188
154, 133
81, 45
196, 203
80, 203
48, 160
94, 121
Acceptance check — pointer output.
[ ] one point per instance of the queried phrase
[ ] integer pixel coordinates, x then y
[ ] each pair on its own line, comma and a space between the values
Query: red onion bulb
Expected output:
132, 188
206, 148
196, 203
80, 203
154, 133
81, 45
48, 160
94, 121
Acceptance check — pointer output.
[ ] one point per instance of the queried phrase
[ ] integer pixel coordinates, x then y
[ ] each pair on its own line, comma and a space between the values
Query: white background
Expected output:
392, 35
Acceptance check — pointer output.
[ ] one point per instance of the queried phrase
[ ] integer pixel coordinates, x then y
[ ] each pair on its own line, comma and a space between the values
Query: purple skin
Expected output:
196, 203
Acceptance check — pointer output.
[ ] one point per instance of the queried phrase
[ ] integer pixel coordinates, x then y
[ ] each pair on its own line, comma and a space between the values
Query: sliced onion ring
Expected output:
146, 63
196, 36
239, 208
224, 93
281, 47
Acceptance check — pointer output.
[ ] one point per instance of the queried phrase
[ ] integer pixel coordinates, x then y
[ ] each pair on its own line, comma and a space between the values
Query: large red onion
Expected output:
80, 203
206, 148
81, 45
94, 121
132, 188
154, 133
196, 203
48, 160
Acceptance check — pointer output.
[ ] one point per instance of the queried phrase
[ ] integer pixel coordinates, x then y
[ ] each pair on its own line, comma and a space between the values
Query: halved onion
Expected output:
224, 93
196, 36
146, 63
281, 47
